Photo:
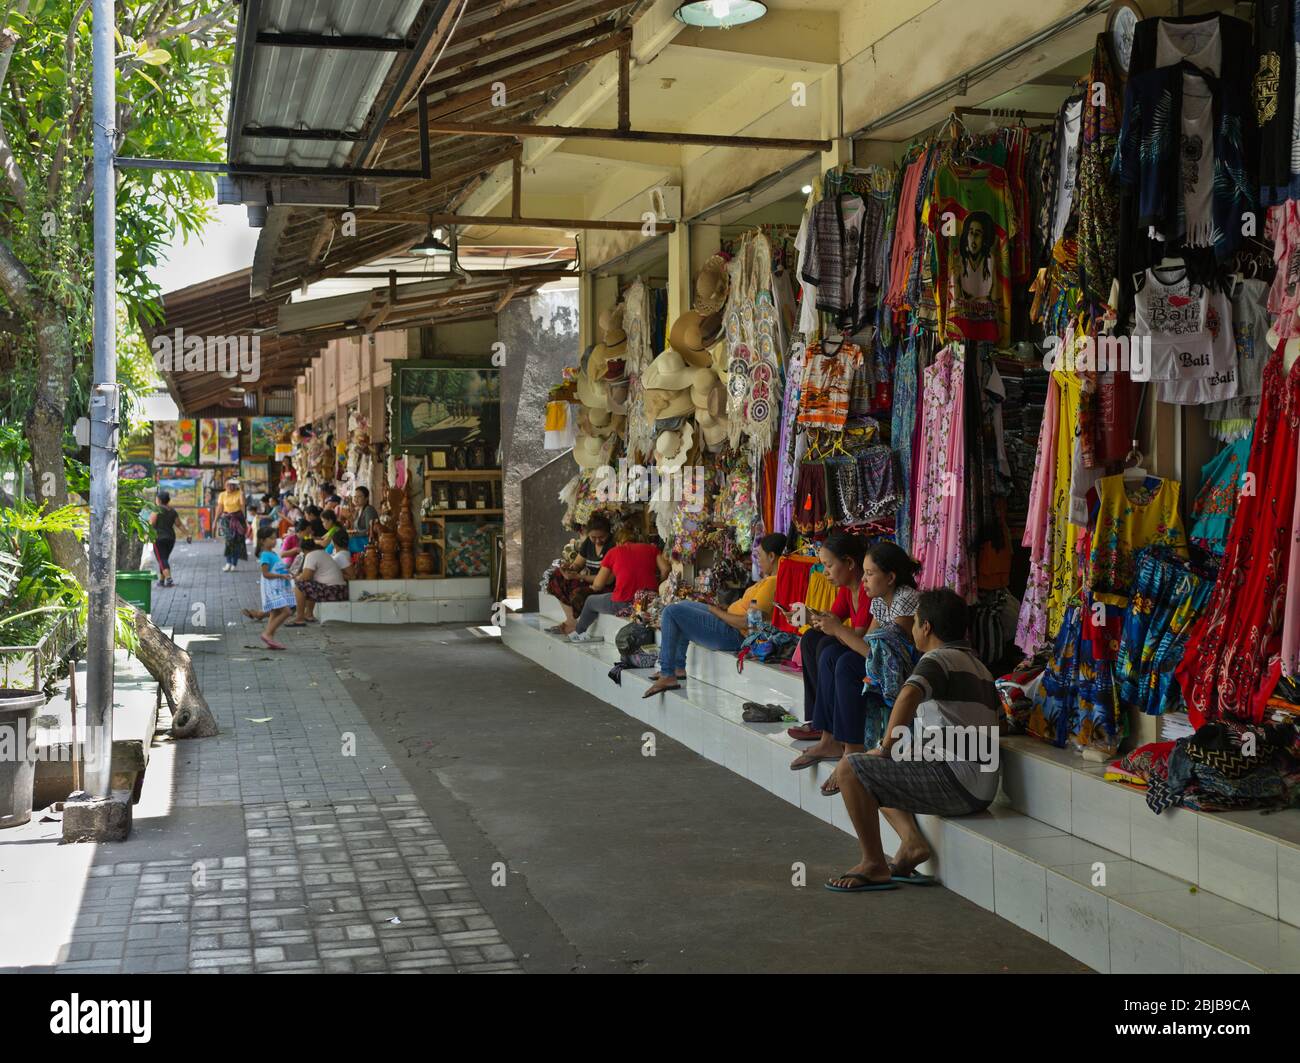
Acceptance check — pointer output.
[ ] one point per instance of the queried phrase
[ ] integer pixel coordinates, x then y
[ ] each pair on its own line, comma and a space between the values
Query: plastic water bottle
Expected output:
754, 616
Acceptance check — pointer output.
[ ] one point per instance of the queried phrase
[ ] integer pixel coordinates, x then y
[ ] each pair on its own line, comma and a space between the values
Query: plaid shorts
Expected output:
324, 592
927, 788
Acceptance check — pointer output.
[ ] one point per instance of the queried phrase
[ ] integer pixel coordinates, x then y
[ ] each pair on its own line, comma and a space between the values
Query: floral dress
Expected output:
938, 531
902, 428
1233, 660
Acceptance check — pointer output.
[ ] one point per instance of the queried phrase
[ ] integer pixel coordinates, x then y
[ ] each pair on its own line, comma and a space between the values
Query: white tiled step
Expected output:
1032, 873
1252, 858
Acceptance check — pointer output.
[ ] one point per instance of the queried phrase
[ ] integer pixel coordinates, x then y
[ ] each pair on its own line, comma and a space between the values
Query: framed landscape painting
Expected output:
444, 403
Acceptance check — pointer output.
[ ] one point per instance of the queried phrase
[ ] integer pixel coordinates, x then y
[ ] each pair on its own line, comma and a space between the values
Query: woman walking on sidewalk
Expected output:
277, 587
164, 523
230, 504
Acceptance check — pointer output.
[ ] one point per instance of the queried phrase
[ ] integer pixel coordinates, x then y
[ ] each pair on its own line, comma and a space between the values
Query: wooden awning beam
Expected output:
633, 136
611, 41
413, 218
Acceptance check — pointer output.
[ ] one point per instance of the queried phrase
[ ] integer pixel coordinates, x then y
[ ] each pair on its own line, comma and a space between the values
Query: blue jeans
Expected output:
841, 707
682, 623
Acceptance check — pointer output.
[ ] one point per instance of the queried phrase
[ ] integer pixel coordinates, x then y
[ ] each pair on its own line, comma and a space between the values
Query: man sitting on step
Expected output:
939, 756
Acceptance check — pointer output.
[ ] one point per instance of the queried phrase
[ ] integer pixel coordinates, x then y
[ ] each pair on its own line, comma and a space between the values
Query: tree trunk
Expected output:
165, 661
172, 667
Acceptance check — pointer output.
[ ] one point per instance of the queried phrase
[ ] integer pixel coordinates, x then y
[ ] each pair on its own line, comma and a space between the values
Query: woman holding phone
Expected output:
824, 651
841, 705
711, 626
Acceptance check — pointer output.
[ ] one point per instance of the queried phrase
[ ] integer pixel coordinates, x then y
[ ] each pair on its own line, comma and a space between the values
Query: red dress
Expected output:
1233, 658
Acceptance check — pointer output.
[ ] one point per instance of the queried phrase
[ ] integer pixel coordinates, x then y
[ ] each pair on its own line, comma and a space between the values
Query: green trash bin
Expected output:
136, 588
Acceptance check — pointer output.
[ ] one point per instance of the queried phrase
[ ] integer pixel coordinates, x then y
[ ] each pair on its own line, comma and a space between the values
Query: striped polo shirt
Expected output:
959, 693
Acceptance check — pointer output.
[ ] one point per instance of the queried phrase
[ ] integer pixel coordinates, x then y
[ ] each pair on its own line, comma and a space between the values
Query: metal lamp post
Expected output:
103, 417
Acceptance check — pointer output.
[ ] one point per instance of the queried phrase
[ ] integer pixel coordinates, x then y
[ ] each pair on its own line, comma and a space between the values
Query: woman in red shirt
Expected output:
630, 566
822, 650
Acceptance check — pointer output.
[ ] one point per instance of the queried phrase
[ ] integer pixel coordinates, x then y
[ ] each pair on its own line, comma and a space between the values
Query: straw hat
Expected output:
707, 393
592, 393
711, 286
660, 405
672, 448
668, 372
693, 334
591, 451
610, 324
712, 429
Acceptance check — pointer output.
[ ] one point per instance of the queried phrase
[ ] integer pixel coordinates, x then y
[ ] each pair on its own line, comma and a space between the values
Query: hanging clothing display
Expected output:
1232, 659
938, 532
1221, 481
1131, 515
972, 225
827, 377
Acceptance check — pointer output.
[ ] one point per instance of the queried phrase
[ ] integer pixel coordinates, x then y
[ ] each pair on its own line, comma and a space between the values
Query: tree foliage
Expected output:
172, 81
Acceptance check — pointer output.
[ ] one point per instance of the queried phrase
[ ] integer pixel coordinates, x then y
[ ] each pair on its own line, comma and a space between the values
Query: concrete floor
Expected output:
619, 862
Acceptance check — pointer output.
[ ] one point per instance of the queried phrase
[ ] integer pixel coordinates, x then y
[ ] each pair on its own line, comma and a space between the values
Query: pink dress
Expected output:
1031, 629
1291, 607
1284, 296
938, 532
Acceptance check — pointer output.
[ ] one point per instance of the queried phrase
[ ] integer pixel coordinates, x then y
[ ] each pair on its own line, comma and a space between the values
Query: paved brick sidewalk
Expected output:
288, 845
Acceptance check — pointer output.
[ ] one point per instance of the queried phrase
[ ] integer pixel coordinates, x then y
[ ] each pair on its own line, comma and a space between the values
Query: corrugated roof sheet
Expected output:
315, 88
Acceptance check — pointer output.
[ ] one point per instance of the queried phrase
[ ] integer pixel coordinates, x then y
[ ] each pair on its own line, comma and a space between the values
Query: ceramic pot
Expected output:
424, 563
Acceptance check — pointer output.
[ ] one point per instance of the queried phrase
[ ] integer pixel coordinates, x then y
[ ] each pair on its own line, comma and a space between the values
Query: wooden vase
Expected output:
372, 561
408, 563
389, 567
424, 563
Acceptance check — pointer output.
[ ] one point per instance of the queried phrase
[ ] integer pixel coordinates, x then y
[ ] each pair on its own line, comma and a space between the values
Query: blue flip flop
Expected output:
867, 885
914, 879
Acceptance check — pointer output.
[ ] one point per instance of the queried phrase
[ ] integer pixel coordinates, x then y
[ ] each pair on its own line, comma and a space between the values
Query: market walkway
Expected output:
503, 817
289, 842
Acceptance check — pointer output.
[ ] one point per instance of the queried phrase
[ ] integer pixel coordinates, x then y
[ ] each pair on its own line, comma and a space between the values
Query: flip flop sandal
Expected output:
804, 734
556, 629
296, 623
662, 690
829, 793
914, 879
867, 886
808, 761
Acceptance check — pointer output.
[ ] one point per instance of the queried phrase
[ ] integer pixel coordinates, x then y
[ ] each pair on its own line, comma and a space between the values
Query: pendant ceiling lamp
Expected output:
430, 245
720, 14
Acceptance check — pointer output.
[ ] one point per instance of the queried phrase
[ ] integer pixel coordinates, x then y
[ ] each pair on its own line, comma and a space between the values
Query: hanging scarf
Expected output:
636, 323
1097, 193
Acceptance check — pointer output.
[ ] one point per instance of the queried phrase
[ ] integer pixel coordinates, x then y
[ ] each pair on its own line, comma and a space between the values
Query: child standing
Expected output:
277, 587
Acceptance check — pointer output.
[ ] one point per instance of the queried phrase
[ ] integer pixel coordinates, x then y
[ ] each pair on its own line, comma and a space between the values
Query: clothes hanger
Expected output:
1134, 472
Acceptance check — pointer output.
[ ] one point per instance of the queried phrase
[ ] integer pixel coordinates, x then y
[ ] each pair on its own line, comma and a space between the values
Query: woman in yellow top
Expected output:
711, 626
230, 515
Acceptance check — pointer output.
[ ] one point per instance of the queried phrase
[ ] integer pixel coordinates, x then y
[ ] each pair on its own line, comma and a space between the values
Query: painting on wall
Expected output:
228, 441
208, 441
135, 470
173, 443
265, 433
166, 442
444, 404
469, 548
254, 477
184, 493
